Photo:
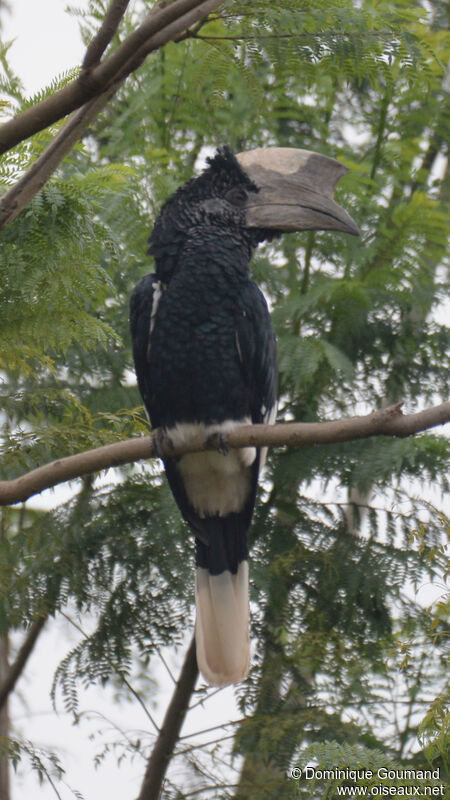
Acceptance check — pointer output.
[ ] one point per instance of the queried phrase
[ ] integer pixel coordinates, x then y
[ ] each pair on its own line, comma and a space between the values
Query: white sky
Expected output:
47, 40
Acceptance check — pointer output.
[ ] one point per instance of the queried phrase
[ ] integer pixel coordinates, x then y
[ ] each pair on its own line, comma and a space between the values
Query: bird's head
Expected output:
267, 191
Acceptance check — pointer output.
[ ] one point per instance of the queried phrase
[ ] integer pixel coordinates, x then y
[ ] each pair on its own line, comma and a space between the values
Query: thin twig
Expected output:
122, 677
207, 697
198, 746
213, 728
169, 671
349, 504
137, 696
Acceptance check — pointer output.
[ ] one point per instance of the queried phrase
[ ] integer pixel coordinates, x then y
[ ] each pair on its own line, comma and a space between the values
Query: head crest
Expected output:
224, 169
181, 210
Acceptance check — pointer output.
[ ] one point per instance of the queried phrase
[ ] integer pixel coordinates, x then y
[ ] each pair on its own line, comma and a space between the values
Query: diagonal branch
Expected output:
16, 668
162, 24
385, 422
13, 201
105, 33
18, 197
5, 724
170, 730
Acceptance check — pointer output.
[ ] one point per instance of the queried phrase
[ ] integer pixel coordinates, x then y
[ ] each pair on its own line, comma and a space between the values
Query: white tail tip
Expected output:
222, 625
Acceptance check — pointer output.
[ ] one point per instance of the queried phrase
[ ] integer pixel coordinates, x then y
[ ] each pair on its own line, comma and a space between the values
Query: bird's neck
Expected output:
210, 251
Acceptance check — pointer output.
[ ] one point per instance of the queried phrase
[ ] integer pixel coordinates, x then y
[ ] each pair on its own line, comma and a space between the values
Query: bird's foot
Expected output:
161, 442
217, 441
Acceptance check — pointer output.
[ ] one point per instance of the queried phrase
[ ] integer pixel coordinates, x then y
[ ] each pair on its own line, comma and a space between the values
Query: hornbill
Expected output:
205, 359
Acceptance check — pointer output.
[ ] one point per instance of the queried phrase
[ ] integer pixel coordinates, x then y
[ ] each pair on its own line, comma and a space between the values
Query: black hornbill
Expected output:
205, 359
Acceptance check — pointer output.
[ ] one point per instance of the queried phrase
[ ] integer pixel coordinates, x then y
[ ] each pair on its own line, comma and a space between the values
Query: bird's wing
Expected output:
257, 349
143, 304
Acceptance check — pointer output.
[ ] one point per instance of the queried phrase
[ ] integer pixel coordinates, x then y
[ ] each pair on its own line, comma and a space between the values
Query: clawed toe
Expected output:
217, 441
161, 442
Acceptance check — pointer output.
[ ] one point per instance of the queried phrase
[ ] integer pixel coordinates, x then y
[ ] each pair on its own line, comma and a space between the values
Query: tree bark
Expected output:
92, 94
162, 24
4, 723
105, 33
385, 422
12, 672
4, 710
168, 736
18, 197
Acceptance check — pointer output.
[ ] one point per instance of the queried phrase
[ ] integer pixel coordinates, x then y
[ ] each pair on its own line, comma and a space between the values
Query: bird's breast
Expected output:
195, 369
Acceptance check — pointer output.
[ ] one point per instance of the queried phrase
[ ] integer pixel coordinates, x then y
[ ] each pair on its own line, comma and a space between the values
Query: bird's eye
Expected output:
237, 196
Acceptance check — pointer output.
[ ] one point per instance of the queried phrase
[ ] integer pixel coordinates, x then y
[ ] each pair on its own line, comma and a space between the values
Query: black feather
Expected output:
205, 353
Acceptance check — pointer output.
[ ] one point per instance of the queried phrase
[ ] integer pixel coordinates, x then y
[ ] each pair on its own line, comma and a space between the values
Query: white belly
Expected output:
214, 483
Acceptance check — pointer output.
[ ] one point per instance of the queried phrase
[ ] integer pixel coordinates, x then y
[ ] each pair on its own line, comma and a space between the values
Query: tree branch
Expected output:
16, 668
16, 198
385, 422
170, 731
5, 782
162, 24
105, 33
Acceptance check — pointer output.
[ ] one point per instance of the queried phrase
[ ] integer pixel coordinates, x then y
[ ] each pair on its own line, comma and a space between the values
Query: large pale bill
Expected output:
296, 190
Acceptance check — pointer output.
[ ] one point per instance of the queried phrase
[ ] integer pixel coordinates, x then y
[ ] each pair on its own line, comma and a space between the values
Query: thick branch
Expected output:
170, 731
162, 24
16, 668
105, 33
13, 201
18, 197
385, 422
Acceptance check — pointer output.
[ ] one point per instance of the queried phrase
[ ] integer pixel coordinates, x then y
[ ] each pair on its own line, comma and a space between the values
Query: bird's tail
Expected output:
221, 596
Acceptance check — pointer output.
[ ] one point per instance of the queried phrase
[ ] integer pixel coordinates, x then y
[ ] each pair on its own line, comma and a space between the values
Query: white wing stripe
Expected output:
157, 294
